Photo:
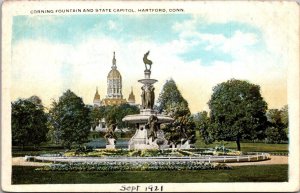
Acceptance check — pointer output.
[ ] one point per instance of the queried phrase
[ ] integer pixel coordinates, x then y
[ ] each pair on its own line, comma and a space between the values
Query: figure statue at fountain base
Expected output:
110, 136
155, 139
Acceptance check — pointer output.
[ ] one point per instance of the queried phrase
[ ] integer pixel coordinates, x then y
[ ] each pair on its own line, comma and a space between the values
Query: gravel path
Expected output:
273, 160
20, 161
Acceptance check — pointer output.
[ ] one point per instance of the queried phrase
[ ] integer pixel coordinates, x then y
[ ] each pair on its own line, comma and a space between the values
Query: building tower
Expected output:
131, 98
114, 86
97, 101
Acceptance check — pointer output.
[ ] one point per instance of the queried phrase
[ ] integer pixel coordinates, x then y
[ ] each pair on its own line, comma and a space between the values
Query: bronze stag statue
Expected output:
147, 61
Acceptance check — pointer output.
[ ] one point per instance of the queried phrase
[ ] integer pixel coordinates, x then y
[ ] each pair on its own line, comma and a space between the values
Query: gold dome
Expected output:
114, 74
97, 95
131, 97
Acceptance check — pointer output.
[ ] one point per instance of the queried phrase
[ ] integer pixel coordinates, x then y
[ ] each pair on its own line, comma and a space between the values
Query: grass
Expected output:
256, 173
247, 147
35, 152
30, 150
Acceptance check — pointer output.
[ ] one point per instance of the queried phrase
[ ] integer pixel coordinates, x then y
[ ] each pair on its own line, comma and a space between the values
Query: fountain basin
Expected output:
147, 81
143, 118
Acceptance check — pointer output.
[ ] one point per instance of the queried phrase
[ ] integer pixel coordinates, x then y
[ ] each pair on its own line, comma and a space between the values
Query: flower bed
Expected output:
123, 152
135, 166
98, 153
151, 153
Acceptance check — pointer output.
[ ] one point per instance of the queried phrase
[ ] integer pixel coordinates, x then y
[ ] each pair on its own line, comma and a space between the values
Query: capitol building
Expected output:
114, 94
114, 89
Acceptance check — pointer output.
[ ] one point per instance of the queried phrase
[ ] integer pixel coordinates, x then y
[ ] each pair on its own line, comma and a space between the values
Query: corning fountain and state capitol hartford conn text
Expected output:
103, 10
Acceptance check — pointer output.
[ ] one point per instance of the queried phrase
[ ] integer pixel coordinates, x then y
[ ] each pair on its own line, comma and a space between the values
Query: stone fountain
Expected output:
148, 134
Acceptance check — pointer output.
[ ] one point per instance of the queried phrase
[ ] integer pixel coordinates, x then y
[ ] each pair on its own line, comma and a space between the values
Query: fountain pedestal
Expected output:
140, 140
148, 134
111, 143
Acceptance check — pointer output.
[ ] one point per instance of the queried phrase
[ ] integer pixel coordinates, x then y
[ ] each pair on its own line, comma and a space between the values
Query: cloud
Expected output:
40, 64
44, 69
48, 68
276, 20
112, 25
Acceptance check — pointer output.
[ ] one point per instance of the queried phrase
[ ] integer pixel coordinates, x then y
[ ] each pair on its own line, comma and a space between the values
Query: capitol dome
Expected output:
114, 82
114, 94
114, 74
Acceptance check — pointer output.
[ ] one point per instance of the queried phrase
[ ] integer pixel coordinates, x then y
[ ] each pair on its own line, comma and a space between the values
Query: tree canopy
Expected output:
70, 118
170, 96
171, 102
112, 114
96, 114
277, 130
285, 116
202, 122
237, 111
29, 122
285, 119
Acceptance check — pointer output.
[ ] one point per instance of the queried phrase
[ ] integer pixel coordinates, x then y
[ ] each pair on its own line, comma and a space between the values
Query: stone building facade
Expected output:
114, 94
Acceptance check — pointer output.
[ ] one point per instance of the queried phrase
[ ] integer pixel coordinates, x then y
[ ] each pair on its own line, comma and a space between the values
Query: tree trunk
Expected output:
238, 143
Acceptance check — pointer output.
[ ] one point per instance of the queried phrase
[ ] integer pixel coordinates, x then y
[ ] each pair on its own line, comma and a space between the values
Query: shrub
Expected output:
135, 166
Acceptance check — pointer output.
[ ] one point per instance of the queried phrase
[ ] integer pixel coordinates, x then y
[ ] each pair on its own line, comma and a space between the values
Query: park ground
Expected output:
274, 170
250, 173
245, 147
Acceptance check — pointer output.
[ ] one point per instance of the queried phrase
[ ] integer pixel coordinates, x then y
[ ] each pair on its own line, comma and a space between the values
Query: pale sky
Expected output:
51, 54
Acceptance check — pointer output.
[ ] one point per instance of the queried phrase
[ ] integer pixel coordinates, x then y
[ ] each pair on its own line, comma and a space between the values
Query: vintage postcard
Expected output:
150, 96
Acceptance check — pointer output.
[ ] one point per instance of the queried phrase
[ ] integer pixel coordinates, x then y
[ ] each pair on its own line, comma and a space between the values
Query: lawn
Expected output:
30, 150
258, 173
247, 147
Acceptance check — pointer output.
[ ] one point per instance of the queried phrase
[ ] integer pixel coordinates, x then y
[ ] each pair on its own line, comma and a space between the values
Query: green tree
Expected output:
169, 96
36, 100
111, 114
273, 135
53, 135
116, 113
171, 102
277, 124
124, 110
29, 122
285, 119
71, 120
237, 111
285, 116
96, 114
274, 117
202, 122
